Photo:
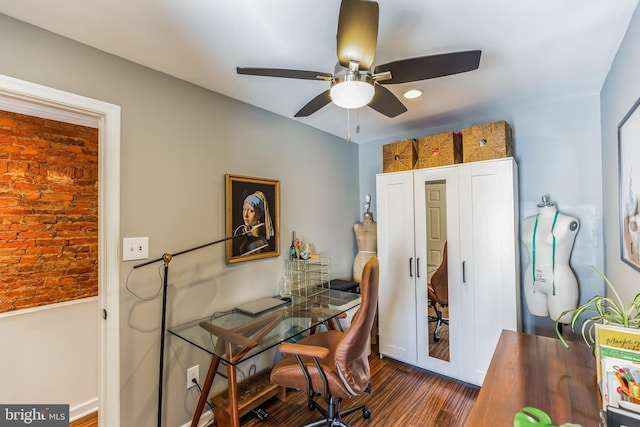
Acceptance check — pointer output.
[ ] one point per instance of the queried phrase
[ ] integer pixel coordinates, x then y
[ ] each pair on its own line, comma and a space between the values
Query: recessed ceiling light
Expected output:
412, 93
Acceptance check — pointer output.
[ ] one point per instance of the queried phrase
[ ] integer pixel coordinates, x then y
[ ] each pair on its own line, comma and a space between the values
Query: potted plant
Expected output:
602, 310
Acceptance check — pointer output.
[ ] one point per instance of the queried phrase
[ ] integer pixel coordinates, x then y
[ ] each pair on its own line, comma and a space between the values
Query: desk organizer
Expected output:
306, 276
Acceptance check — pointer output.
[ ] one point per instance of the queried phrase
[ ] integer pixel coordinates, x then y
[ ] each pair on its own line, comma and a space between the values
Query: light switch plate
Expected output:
134, 248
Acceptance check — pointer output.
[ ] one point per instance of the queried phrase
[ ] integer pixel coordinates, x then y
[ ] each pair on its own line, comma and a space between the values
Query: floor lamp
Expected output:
250, 245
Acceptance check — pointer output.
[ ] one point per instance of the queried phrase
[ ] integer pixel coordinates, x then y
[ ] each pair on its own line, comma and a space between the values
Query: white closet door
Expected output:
490, 257
397, 298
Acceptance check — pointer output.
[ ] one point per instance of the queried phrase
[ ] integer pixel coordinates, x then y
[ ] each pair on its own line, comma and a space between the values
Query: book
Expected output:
617, 417
618, 366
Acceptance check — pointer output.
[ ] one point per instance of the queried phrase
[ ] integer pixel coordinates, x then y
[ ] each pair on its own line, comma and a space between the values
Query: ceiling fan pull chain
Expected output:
348, 138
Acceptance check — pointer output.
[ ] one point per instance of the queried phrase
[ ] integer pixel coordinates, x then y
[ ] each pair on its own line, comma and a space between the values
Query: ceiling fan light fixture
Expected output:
351, 90
412, 93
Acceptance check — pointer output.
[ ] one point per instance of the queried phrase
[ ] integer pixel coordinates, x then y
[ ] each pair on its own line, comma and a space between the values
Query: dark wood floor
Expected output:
401, 396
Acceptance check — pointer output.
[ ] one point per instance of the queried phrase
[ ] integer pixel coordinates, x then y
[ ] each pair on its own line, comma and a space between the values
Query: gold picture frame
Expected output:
257, 235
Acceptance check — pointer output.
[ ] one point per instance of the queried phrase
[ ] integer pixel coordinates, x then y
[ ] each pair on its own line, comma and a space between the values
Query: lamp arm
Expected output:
167, 257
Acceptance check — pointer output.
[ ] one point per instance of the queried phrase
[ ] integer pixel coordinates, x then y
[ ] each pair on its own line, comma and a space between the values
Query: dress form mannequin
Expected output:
550, 287
367, 240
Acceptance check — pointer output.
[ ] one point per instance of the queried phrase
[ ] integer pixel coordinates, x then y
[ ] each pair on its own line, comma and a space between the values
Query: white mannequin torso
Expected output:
367, 240
550, 285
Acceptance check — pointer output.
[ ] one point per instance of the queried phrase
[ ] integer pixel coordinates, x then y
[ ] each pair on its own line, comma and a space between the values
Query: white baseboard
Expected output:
83, 409
205, 419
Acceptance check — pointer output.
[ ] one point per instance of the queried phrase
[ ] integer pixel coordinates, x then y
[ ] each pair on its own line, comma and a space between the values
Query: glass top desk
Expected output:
235, 337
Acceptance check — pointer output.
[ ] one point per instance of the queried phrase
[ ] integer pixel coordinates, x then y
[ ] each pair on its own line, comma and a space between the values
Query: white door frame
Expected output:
37, 100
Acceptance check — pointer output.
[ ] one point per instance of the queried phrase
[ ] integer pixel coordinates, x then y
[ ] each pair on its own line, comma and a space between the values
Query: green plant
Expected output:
602, 310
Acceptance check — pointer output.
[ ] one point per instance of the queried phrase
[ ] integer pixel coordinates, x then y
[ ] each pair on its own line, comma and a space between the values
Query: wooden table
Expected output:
531, 370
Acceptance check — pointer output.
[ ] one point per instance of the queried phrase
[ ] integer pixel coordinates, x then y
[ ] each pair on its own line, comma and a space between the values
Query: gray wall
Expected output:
619, 93
557, 148
178, 141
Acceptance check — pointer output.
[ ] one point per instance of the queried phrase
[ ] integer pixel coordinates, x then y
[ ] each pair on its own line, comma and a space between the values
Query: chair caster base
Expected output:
334, 419
366, 413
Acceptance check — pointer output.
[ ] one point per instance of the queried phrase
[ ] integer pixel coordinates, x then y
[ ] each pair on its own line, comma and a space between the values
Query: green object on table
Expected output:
534, 417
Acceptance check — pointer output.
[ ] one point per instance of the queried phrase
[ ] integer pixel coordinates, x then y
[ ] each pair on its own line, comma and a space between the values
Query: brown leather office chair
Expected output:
334, 364
438, 292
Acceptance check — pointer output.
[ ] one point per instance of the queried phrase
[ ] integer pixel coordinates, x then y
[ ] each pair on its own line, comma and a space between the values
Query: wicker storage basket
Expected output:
487, 141
439, 150
399, 156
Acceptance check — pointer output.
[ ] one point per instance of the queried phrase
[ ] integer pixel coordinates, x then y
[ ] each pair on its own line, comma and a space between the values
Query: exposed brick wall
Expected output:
48, 211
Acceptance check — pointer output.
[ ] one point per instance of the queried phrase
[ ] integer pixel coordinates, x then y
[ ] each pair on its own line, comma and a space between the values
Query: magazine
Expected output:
618, 366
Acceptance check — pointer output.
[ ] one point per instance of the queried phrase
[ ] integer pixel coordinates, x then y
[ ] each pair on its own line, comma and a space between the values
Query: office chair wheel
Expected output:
435, 337
366, 412
310, 404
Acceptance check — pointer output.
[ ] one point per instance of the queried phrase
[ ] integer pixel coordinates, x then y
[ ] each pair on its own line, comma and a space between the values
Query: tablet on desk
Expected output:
256, 307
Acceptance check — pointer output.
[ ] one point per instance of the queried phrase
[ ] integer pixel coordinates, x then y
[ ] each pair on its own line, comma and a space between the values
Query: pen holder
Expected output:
627, 398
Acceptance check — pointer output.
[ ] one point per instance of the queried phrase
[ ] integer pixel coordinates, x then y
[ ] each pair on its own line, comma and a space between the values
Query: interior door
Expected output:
436, 211
436, 223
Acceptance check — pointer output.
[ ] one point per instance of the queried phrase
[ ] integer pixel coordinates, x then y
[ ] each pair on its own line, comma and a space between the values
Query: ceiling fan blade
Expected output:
386, 103
288, 74
357, 32
429, 67
315, 104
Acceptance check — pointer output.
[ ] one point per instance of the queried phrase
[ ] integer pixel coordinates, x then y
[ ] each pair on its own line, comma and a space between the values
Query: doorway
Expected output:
36, 100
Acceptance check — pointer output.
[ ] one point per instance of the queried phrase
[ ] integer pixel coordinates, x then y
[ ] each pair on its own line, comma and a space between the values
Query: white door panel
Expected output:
396, 301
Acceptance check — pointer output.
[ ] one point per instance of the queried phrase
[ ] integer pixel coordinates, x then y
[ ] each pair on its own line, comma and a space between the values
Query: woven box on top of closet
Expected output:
487, 141
399, 156
439, 150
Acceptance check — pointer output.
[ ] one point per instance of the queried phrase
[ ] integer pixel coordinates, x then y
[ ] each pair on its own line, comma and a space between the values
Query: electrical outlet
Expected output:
134, 248
193, 373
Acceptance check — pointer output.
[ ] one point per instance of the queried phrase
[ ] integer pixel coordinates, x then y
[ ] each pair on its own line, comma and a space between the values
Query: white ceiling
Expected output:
531, 49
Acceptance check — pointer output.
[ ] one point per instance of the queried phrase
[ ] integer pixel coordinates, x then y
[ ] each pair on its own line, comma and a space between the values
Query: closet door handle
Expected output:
417, 267
411, 267
464, 276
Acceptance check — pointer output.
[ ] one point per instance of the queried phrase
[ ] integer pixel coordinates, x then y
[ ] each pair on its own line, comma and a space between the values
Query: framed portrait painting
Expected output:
252, 217
629, 186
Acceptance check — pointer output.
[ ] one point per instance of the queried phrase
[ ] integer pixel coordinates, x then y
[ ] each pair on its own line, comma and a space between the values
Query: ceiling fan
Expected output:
354, 84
